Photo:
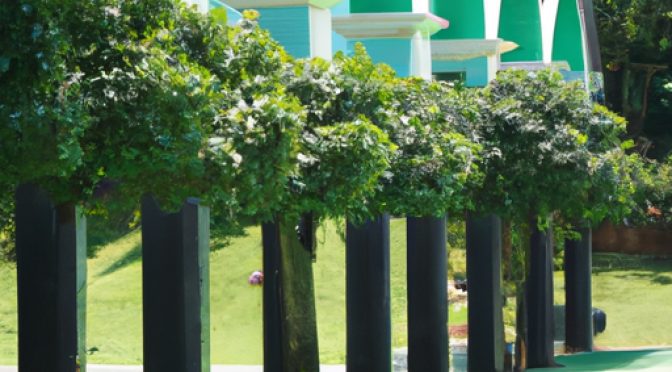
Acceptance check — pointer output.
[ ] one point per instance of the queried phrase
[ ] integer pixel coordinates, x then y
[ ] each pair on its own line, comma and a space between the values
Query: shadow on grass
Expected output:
132, 256
662, 279
654, 276
644, 267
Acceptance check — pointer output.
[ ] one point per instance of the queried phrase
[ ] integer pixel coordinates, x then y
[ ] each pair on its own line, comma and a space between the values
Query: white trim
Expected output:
386, 25
420, 6
549, 17
584, 46
534, 66
492, 11
463, 49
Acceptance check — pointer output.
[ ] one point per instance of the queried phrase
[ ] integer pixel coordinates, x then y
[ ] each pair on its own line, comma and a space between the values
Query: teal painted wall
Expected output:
290, 27
567, 40
520, 22
573, 75
232, 15
380, 6
476, 70
466, 17
394, 52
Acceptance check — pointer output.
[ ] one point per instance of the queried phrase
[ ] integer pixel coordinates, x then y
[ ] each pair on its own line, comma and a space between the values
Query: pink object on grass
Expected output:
256, 278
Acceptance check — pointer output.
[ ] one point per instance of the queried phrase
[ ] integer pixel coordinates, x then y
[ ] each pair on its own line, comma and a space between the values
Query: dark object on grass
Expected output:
599, 321
461, 284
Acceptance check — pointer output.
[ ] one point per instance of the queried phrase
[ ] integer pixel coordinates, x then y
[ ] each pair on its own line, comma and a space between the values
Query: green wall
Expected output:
520, 22
380, 6
567, 41
466, 17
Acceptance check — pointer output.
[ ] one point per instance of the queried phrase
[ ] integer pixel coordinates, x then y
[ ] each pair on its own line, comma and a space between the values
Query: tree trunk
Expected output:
635, 93
507, 248
300, 351
521, 328
523, 248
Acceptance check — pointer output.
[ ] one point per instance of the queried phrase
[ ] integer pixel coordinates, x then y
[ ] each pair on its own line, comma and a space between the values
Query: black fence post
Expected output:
369, 323
50, 241
484, 272
176, 293
427, 294
271, 295
578, 293
539, 286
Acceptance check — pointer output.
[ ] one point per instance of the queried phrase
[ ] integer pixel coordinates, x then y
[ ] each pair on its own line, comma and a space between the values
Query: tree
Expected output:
151, 94
435, 162
340, 156
635, 45
546, 150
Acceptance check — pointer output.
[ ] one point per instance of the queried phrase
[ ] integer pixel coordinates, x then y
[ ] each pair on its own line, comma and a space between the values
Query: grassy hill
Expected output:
636, 297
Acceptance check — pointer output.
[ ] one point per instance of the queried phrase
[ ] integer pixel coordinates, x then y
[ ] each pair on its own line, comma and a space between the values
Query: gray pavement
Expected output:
214, 368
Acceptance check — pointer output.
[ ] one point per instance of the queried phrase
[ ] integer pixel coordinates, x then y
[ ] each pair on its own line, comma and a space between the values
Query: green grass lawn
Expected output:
635, 294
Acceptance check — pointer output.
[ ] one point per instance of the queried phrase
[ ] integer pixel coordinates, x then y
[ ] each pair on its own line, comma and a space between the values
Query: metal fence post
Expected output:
51, 249
541, 325
484, 277
427, 294
175, 275
578, 293
369, 322
271, 289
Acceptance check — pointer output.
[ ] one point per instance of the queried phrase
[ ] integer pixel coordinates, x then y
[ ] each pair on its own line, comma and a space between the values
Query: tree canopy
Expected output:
546, 148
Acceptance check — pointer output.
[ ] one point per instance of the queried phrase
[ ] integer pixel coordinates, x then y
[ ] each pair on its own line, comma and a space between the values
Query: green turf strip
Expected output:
651, 360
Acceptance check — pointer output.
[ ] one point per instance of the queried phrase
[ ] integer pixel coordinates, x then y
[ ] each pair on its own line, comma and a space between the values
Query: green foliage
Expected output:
151, 93
434, 164
456, 241
341, 153
546, 148
634, 30
7, 251
652, 198
42, 113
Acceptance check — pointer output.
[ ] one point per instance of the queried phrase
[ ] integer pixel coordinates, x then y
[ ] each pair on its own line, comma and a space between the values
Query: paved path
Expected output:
214, 368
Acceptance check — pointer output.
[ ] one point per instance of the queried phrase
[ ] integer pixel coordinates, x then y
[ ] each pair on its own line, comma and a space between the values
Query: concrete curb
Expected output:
214, 368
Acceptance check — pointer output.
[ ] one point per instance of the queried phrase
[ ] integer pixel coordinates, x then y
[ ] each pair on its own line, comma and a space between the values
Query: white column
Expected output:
421, 55
493, 66
320, 32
